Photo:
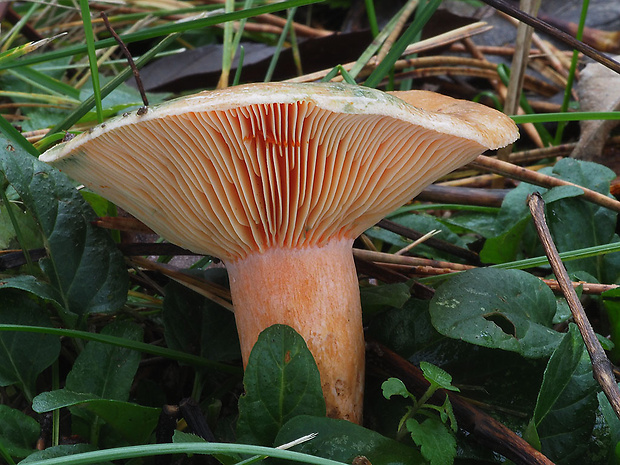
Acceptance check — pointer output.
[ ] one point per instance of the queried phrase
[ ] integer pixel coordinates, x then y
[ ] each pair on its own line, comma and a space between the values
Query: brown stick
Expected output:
488, 431
538, 179
431, 242
537, 24
394, 259
601, 366
127, 54
463, 195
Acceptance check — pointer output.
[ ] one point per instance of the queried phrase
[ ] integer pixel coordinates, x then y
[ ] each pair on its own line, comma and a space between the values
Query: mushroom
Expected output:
277, 180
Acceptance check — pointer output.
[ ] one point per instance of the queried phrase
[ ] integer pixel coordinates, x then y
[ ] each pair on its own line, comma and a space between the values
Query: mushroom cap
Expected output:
233, 172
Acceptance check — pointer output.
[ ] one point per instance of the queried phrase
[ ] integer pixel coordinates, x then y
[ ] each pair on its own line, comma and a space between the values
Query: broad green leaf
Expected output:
514, 222
405, 330
344, 441
83, 265
567, 213
32, 285
611, 301
30, 233
613, 428
505, 246
281, 382
197, 325
18, 432
395, 387
565, 412
104, 370
437, 443
376, 298
595, 224
134, 422
62, 451
504, 309
437, 376
23, 356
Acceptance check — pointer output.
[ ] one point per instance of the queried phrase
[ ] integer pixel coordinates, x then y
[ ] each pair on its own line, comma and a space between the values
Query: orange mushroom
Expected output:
277, 180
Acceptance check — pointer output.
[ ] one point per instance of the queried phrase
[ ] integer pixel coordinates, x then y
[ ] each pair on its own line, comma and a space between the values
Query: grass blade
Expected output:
92, 57
413, 30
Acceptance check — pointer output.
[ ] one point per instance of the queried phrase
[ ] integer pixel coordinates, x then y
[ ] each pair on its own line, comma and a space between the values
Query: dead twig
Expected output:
601, 366
211, 291
540, 25
421, 46
134, 68
539, 179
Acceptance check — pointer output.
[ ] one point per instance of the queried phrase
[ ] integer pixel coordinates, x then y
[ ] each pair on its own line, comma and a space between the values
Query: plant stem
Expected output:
601, 366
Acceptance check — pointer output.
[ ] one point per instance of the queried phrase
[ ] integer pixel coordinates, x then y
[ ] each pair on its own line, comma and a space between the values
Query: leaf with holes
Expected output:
281, 381
504, 309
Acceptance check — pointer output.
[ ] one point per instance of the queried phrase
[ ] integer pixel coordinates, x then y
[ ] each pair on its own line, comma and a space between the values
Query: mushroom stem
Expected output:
315, 291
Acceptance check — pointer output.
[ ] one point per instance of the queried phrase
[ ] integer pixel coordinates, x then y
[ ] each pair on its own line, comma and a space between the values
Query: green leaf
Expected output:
395, 387
104, 370
596, 224
23, 356
437, 443
505, 246
613, 426
405, 330
62, 451
281, 382
565, 412
134, 422
376, 298
504, 309
197, 325
437, 376
32, 285
30, 233
179, 437
18, 432
344, 441
84, 266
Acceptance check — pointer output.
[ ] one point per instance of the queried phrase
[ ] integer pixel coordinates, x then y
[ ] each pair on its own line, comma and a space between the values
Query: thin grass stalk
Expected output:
18, 231
236, 41
158, 31
15, 30
383, 69
87, 104
573, 69
45, 82
569, 116
203, 448
227, 47
296, 52
16, 138
379, 39
237, 77
372, 17
276, 54
55, 413
116, 341
89, 35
